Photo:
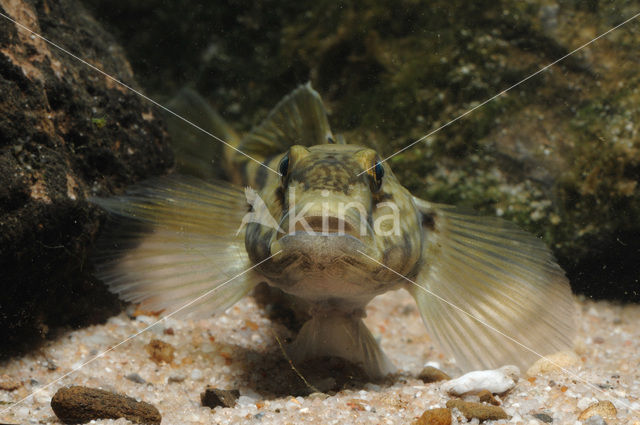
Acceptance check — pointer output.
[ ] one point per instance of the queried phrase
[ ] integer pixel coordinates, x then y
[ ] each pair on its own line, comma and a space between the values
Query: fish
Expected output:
329, 225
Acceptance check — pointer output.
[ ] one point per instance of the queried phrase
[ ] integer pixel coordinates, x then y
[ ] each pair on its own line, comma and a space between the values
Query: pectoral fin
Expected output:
512, 301
175, 242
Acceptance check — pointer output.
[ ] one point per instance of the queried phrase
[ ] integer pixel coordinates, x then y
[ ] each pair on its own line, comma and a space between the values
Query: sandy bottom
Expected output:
238, 350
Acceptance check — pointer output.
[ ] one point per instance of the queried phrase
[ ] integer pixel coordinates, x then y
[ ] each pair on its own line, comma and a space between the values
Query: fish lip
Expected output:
349, 224
320, 246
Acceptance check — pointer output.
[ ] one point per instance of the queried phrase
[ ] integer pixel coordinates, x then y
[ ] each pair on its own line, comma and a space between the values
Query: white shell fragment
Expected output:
497, 381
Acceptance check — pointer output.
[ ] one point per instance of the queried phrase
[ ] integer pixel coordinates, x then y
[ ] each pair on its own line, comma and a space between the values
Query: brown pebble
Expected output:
7, 383
486, 397
160, 351
606, 409
481, 411
431, 374
81, 404
214, 397
434, 417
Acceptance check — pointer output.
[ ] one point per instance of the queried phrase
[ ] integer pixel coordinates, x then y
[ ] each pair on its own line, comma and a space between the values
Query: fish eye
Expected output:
377, 172
283, 168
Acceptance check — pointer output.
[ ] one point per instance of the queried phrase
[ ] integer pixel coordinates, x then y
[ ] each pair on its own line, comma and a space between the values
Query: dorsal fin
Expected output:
298, 119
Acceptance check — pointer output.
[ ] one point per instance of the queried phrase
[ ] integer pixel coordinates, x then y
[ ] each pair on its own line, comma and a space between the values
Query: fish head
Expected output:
335, 205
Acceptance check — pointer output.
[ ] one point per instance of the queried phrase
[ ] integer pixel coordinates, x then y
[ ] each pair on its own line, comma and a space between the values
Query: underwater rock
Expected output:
215, 397
66, 133
495, 381
82, 404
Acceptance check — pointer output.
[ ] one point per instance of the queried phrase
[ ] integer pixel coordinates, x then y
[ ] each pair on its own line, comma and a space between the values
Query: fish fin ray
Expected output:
501, 275
298, 119
196, 153
346, 337
171, 241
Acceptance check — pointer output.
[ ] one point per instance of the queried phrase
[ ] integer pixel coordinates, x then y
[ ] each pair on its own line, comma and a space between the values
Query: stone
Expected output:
7, 383
483, 412
66, 133
160, 351
431, 374
134, 377
497, 381
215, 397
543, 417
78, 404
486, 396
437, 416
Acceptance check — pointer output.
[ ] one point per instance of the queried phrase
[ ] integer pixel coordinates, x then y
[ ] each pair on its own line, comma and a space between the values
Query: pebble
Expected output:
196, 374
605, 409
481, 411
553, 362
7, 383
214, 397
543, 417
82, 404
134, 377
487, 397
160, 351
431, 374
496, 381
176, 378
434, 417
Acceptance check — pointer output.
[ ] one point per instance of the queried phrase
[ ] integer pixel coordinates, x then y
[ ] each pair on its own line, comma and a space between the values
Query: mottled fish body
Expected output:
333, 237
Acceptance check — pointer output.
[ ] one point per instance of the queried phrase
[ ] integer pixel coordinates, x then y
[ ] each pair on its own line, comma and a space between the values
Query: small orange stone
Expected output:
563, 388
251, 325
355, 404
531, 379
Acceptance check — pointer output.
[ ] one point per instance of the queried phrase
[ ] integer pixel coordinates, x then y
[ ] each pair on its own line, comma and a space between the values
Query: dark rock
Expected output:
81, 404
215, 397
66, 133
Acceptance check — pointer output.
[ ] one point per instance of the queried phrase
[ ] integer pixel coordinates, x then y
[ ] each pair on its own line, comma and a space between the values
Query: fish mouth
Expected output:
351, 224
317, 246
323, 237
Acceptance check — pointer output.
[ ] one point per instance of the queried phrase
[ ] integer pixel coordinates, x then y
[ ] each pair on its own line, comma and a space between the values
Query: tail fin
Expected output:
341, 336
197, 153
